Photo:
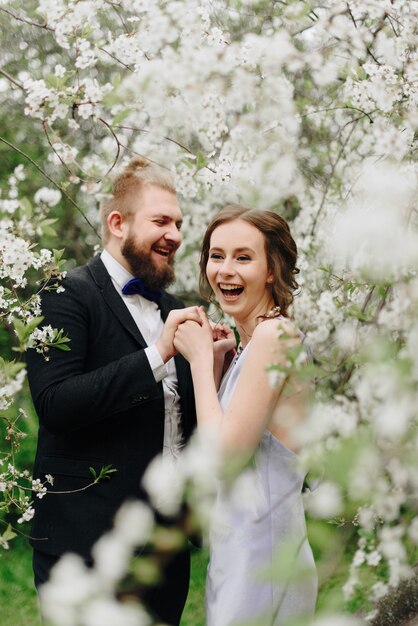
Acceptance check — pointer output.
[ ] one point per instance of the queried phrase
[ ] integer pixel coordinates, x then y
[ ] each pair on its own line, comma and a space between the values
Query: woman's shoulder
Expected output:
273, 337
270, 329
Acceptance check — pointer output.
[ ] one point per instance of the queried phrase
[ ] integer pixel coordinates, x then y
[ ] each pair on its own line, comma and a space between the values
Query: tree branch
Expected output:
334, 165
25, 21
11, 79
52, 181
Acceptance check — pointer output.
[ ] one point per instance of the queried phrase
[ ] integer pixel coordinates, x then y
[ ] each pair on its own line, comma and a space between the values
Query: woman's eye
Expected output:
243, 257
215, 256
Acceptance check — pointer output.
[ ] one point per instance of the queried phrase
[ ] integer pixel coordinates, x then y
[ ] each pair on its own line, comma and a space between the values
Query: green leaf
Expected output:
105, 471
49, 231
9, 533
23, 331
62, 346
58, 254
201, 160
26, 207
121, 116
10, 368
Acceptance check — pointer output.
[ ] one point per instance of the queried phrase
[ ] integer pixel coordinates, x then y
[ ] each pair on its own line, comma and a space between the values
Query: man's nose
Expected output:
173, 234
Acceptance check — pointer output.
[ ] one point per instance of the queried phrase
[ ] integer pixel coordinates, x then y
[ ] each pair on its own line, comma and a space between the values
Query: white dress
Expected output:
246, 539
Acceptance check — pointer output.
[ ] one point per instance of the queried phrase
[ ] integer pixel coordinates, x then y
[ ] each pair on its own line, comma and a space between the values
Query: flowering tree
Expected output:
308, 108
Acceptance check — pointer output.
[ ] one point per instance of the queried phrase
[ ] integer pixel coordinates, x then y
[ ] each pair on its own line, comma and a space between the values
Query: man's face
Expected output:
153, 237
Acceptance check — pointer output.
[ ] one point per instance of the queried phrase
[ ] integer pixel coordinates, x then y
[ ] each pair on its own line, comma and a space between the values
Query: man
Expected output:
117, 397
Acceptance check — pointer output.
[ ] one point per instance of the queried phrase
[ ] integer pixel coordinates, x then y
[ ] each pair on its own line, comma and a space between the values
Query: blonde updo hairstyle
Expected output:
280, 247
127, 187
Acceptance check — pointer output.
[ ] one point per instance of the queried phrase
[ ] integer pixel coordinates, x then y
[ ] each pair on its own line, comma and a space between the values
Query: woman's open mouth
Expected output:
230, 291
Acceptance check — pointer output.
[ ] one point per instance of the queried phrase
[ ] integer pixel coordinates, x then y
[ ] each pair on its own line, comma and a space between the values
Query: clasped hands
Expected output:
189, 332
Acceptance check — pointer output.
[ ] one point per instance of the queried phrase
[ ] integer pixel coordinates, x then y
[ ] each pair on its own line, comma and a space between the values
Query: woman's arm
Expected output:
251, 407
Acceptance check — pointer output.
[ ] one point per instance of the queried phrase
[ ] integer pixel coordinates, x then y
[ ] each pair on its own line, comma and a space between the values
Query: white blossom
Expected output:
51, 197
27, 515
164, 485
325, 501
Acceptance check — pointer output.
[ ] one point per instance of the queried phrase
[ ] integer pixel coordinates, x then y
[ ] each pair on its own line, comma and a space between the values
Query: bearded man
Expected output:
120, 395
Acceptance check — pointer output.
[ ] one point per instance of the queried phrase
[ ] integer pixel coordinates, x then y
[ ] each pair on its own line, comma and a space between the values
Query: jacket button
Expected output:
139, 397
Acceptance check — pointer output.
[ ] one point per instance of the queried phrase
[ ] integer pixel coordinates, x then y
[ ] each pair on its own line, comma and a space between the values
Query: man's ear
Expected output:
116, 224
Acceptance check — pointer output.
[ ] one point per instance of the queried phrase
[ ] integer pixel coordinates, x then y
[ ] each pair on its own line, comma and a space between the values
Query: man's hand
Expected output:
164, 343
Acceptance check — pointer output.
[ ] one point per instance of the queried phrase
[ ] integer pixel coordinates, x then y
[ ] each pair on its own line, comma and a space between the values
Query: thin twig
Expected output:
73, 490
51, 180
11, 79
328, 184
116, 59
351, 108
25, 21
177, 143
118, 144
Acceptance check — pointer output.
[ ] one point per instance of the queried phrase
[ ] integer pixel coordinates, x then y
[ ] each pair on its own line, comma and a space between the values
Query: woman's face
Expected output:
237, 270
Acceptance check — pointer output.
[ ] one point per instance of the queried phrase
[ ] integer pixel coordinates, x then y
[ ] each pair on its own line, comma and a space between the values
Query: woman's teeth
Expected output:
231, 290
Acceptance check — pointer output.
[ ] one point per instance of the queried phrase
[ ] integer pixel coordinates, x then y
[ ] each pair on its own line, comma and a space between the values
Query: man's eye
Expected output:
159, 222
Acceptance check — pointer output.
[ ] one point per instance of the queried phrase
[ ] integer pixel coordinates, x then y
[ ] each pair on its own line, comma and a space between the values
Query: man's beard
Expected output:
142, 266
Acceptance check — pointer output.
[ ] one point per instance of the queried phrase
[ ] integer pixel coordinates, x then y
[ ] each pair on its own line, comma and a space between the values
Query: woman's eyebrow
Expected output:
241, 249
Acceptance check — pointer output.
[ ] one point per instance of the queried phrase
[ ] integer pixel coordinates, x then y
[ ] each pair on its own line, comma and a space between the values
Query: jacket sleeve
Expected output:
68, 391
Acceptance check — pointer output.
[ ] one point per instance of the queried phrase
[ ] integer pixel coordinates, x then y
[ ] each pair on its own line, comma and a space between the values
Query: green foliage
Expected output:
18, 601
104, 473
23, 331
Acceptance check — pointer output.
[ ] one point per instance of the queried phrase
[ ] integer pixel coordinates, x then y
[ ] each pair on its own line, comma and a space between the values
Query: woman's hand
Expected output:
194, 340
224, 342
165, 342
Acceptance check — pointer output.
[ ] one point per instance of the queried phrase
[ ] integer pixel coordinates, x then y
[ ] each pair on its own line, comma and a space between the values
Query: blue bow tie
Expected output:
136, 286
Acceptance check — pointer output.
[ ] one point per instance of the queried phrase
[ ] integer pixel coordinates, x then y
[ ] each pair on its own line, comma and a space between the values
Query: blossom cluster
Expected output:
91, 597
306, 108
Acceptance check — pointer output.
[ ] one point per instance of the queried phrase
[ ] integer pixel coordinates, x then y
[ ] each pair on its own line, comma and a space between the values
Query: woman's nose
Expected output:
227, 268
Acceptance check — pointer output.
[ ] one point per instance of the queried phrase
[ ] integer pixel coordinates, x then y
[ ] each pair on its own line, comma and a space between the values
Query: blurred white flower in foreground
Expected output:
163, 483
107, 612
76, 594
70, 585
372, 236
325, 501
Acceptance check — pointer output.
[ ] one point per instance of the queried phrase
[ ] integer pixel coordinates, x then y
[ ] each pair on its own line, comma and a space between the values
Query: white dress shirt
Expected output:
147, 317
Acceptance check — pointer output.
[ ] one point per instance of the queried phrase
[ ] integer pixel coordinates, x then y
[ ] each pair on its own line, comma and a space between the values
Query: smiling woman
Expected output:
265, 234
248, 264
238, 275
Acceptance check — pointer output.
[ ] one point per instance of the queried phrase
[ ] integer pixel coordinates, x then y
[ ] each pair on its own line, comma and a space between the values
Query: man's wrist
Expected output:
164, 351
157, 365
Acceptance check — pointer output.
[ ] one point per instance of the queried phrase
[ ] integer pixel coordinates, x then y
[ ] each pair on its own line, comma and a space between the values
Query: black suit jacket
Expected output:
98, 404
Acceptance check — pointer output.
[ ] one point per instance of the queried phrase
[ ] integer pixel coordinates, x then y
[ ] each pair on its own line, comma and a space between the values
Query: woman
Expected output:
248, 262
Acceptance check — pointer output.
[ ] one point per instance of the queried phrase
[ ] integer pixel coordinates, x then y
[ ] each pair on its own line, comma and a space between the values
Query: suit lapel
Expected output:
167, 303
113, 299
